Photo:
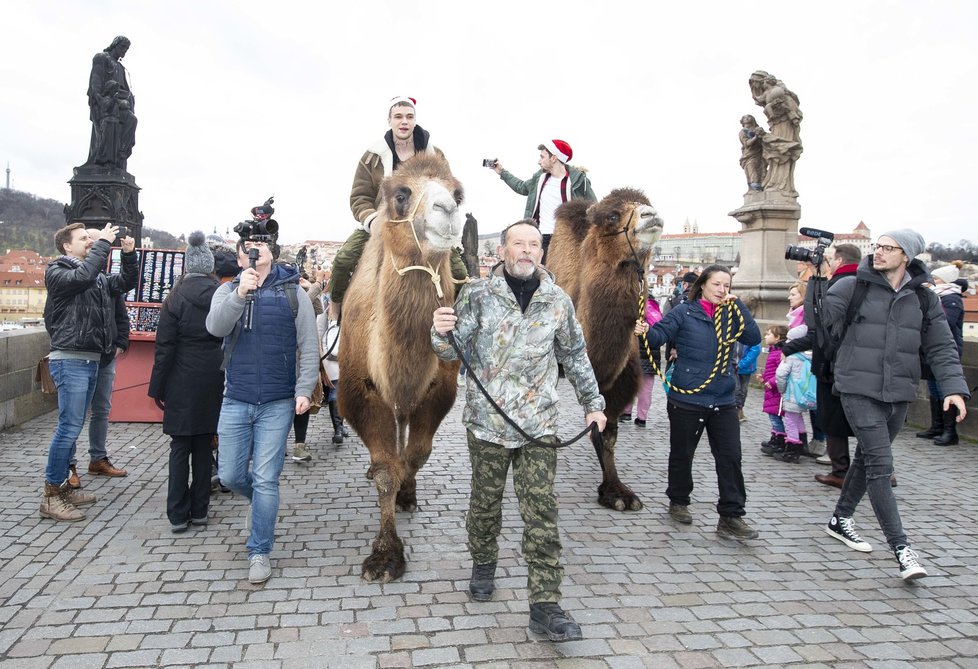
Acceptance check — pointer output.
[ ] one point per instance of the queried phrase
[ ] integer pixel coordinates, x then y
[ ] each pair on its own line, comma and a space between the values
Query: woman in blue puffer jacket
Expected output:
702, 394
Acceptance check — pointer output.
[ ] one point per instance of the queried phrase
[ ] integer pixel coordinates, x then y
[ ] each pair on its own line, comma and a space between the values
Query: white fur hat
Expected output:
797, 332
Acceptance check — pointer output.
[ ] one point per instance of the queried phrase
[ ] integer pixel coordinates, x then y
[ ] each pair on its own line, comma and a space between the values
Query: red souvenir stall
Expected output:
158, 271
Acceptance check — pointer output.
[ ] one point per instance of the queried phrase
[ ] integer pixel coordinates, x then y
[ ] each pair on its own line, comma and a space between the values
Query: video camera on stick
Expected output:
262, 228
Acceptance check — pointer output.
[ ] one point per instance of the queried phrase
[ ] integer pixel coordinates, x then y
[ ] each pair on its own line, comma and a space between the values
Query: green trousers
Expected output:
534, 471
348, 257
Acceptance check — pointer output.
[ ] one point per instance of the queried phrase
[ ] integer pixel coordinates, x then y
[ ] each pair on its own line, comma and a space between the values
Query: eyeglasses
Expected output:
886, 248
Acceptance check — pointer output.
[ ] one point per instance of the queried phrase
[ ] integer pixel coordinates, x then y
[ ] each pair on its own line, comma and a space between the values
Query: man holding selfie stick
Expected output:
80, 317
554, 184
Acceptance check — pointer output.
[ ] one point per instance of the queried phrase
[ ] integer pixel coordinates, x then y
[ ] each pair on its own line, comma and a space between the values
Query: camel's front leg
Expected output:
612, 493
386, 561
423, 424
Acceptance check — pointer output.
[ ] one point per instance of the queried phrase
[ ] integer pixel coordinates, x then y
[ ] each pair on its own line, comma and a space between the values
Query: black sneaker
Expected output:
639, 422
910, 569
548, 618
482, 582
844, 530
624, 418
735, 528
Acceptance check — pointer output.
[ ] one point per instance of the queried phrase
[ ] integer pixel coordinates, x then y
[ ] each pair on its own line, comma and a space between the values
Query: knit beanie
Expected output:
910, 241
947, 274
199, 259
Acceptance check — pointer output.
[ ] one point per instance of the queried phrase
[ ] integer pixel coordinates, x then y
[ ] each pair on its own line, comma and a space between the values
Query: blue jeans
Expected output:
777, 423
255, 433
98, 421
75, 380
875, 425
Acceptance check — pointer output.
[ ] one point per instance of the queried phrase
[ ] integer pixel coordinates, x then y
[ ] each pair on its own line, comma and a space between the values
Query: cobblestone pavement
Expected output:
119, 590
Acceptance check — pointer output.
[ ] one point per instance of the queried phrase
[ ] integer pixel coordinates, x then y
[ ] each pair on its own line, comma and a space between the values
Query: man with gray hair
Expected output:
883, 321
515, 326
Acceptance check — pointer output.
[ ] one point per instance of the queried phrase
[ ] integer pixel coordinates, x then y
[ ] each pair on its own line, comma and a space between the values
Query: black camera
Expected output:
257, 231
813, 256
489, 162
262, 228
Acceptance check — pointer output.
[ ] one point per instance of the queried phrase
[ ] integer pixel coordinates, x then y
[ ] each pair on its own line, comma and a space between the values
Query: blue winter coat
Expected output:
692, 333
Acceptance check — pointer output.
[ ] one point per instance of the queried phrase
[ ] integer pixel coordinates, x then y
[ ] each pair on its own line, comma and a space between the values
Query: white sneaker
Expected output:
261, 568
843, 529
824, 459
910, 569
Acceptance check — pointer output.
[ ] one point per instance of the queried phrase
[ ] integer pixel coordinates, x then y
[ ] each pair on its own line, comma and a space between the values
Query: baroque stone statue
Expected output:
751, 151
111, 108
781, 145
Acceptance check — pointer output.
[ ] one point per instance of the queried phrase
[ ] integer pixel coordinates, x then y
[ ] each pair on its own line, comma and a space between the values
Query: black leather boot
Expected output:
548, 618
949, 435
936, 421
334, 416
482, 583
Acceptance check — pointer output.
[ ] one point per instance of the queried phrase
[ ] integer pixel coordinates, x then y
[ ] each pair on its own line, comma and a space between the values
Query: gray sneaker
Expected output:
680, 513
261, 568
735, 528
300, 453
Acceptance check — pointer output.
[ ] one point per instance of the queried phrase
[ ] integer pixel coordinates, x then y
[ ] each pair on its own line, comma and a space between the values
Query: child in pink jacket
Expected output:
774, 339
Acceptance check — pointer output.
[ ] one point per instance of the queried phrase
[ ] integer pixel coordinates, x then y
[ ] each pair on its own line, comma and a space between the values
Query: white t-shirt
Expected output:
549, 201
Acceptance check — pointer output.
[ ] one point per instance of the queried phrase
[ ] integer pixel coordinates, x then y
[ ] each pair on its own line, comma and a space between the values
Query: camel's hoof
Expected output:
619, 498
384, 566
406, 502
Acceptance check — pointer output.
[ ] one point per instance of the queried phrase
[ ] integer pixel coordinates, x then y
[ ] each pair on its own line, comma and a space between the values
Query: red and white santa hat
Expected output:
559, 148
401, 99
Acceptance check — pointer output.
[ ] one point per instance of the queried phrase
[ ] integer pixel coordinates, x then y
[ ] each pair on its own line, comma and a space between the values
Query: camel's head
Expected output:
630, 209
423, 193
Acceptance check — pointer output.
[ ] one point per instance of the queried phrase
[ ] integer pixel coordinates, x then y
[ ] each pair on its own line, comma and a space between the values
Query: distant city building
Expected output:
22, 291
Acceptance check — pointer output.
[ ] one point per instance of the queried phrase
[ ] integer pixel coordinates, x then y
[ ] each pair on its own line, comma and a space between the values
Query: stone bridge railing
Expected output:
21, 398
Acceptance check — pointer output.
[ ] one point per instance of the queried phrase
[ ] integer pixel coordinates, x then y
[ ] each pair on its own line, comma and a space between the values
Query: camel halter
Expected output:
435, 276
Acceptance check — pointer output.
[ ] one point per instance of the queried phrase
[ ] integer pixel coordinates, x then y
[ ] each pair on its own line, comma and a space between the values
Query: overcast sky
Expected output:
241, 100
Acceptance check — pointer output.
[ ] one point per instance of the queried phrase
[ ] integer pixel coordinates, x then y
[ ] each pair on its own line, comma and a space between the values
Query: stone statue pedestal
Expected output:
101, 195
770, 223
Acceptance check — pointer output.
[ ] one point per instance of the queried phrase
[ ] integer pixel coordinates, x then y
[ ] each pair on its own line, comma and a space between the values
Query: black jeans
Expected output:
186, 499
686, 425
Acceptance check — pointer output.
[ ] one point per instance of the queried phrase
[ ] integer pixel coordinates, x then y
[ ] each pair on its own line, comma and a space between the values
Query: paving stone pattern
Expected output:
119, 590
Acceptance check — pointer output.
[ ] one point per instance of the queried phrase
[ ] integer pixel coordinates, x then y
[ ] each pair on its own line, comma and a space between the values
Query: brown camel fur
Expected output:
593, 262
395, 392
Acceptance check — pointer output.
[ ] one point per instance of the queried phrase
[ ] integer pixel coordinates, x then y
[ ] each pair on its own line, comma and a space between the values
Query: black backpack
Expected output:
830, 345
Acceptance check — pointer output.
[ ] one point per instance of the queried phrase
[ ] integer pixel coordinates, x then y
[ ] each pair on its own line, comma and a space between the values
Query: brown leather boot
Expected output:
73, 480
105, 468
55, 504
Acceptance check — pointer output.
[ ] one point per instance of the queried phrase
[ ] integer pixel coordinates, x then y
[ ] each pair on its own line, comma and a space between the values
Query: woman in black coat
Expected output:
187, 380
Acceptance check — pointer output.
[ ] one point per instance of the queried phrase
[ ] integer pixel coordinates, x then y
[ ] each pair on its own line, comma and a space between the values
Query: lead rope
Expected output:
723, 345
596, 439
435, 276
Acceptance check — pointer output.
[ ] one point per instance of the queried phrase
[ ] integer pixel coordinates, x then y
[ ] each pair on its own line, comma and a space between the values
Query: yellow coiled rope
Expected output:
728, 309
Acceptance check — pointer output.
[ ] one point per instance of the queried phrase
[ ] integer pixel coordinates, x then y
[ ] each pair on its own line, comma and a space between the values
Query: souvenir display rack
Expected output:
159, 270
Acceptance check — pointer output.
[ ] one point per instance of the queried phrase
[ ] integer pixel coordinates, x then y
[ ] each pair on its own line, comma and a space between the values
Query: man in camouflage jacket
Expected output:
516, 326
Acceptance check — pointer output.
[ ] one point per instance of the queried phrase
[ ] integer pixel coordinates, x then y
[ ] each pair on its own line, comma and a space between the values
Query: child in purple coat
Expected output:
774, 339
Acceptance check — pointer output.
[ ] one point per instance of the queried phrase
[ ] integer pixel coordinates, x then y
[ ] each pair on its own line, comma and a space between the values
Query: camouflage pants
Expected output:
534, 470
